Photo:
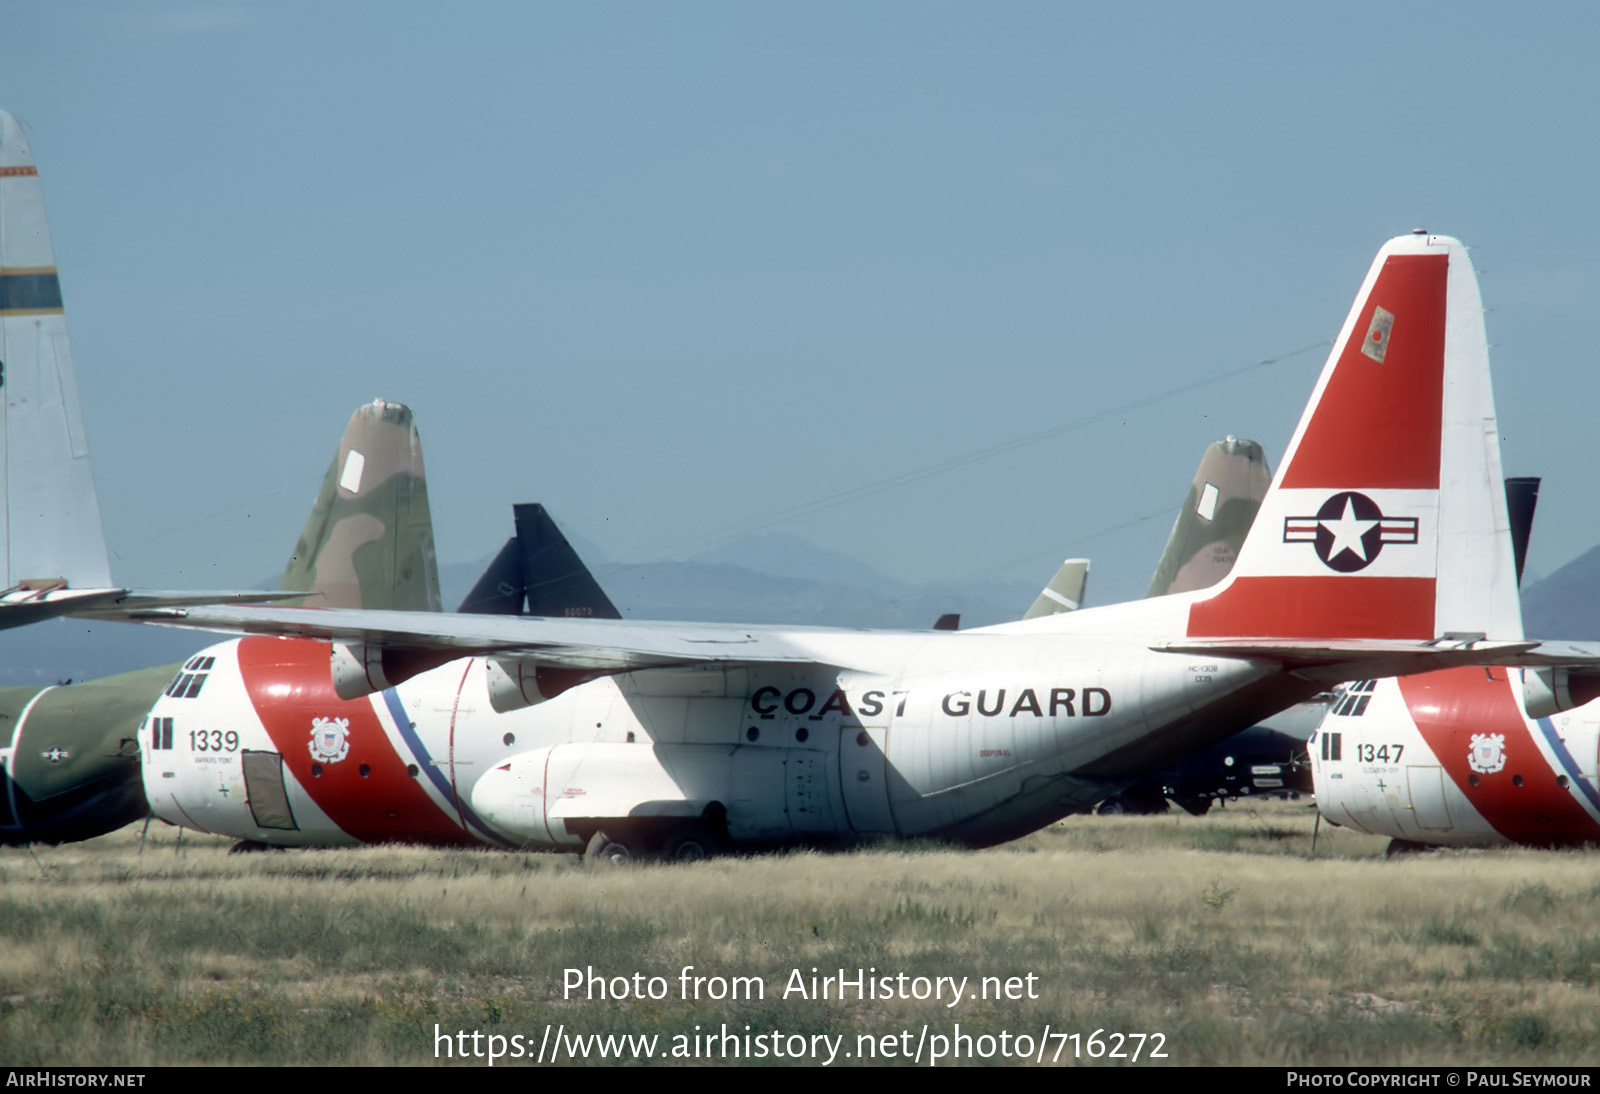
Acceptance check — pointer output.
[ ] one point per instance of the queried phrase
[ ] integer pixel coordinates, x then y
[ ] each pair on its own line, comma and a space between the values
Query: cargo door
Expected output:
864, 775
265, 792
1426, 784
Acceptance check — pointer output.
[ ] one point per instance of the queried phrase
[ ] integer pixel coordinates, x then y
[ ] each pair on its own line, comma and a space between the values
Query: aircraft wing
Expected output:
22, 606
588, 645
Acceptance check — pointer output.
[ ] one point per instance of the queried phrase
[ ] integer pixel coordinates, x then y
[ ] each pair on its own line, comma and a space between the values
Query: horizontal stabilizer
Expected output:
1337, 660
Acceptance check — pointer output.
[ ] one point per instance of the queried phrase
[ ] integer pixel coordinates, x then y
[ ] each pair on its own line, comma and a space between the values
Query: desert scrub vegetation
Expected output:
1223, 933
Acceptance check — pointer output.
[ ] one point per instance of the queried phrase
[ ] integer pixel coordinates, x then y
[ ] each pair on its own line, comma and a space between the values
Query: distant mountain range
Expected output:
766, 578
1567, 603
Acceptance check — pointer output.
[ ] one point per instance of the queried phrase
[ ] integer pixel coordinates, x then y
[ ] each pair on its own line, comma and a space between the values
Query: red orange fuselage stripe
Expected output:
1449, 709
290, 687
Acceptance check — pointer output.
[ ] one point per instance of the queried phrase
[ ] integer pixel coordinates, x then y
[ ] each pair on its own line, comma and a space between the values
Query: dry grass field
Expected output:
1222, 934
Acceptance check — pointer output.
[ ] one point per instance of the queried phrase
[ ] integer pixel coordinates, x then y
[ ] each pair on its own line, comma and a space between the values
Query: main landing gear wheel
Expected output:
251, 847
1399, 847
605, 850
690, 843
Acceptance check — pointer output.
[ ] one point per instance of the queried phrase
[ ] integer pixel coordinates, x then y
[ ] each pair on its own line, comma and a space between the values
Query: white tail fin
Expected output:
50, 528
1388, 516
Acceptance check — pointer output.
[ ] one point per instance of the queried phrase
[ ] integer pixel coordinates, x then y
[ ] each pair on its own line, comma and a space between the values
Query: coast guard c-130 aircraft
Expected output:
1467, 757
1380, 549
1453, 759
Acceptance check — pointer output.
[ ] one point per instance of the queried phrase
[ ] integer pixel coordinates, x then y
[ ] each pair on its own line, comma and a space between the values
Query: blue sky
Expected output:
676, 270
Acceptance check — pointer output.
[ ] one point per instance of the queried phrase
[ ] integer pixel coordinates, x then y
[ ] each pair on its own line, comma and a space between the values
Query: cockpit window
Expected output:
1353, 699
189, 681
1332, 745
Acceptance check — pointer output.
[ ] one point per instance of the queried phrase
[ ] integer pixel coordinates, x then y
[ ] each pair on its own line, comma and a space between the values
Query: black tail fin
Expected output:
538, 573
1522, 497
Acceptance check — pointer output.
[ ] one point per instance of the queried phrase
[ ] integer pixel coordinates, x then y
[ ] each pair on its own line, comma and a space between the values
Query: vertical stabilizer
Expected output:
1064, 593
559, 584
502, 590
1216, 516
369, 540
537, 572
1522, 498
50, 523
1388, 518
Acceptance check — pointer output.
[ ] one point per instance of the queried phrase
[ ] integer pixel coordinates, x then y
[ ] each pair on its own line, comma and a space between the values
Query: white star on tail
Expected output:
1347, 532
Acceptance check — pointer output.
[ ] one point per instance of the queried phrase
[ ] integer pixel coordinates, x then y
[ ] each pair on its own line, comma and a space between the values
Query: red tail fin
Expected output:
1397, 449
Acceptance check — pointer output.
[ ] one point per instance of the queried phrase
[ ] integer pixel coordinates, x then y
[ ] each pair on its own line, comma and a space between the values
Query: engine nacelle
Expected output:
515, 684
1546, 692
360, 668
552, 795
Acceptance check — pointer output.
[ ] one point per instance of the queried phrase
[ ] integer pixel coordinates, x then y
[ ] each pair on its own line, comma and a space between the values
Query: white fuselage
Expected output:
976, 736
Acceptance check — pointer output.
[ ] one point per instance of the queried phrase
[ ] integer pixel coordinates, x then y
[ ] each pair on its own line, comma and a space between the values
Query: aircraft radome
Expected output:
1381, 549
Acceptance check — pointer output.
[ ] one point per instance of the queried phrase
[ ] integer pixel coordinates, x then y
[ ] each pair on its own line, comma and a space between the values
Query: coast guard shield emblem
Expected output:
1487, 753
330, 739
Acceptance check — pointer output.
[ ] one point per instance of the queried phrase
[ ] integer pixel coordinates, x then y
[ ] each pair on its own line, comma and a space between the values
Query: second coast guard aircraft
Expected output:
1466, 757
1453, 759
1381, 549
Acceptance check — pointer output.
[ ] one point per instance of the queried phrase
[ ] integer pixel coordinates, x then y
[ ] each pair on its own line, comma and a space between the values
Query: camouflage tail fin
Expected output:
49, 512
369, 540
1222, 504
1064, 593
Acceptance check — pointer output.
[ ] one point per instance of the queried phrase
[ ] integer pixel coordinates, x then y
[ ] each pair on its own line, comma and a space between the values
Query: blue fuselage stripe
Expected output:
408, 733
1559, 747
